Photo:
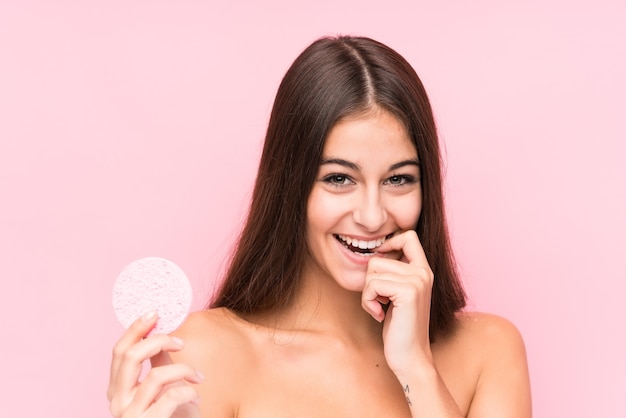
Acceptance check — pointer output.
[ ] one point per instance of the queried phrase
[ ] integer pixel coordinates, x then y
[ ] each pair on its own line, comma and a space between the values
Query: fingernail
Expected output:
149, 316
178, 341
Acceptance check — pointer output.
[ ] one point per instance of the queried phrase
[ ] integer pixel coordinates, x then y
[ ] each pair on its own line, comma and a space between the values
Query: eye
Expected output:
338, 180
400, 180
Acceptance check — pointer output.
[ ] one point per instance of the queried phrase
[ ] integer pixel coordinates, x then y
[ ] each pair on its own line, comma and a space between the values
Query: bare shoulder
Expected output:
204, 326
479, 327
481, 336
496, 345
211, 335
215, 344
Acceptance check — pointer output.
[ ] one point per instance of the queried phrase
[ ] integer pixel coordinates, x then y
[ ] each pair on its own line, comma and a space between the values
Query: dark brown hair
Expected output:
333, 78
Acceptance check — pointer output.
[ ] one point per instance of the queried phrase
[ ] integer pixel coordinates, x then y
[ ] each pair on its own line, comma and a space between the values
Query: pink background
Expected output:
133, 128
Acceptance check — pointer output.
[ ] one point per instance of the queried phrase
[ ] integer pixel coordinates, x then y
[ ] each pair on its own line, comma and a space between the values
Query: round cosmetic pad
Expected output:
152, 284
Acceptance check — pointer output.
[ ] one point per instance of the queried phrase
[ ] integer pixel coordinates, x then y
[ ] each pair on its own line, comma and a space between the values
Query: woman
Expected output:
342, 298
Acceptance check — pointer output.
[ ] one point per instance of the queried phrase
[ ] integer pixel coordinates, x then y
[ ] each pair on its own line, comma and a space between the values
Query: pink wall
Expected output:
132, 128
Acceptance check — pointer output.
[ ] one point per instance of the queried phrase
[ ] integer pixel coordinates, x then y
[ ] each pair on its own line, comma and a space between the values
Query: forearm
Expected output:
427, 395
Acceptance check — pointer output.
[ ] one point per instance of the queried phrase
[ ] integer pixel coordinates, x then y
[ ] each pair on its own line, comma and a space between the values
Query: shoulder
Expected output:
480, 333
198, 323
211, 331
492, 341
496, 347
216, 345
483, 327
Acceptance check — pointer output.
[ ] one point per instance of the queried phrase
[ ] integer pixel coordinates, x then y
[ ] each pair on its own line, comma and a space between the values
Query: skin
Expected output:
335, 346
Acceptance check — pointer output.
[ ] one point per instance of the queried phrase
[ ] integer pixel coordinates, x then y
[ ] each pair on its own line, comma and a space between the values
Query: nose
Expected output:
369, 211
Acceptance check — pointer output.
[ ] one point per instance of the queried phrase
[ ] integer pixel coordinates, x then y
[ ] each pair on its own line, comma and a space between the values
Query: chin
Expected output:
354, 281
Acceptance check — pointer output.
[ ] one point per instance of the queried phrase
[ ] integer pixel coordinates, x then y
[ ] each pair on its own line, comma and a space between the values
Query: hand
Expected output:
405, 285
165, 391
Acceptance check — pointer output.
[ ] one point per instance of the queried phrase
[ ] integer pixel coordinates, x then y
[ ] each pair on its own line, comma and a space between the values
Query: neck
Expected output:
322, 306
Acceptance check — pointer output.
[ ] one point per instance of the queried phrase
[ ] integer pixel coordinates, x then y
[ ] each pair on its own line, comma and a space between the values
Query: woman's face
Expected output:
367, 189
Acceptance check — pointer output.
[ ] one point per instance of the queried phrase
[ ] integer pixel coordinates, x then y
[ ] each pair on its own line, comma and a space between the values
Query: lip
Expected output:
352, 257
362, 238
358, 241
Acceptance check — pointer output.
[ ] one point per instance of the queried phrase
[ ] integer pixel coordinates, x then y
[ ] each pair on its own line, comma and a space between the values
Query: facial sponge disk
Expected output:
152, 284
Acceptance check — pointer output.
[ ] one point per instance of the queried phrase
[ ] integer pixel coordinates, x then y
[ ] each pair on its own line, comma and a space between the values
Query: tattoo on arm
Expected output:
407, 390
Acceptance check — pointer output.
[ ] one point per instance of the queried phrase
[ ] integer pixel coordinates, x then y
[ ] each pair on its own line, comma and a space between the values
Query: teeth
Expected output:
364, 245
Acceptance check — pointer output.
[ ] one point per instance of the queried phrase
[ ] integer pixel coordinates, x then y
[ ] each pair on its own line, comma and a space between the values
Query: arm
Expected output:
427, 395
491, 346
405, 284
503, 387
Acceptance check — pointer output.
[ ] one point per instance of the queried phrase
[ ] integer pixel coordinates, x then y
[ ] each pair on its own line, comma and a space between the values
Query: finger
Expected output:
395, 292
171, 399
409, 244
385, 286
157, 381
372, 296
379, 265
138, 330
374, 308
382, 299
398, 271
132, 359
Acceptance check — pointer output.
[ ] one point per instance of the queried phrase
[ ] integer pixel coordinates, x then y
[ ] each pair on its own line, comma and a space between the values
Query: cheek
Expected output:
318, 220
315, 210
324, 210
407, 211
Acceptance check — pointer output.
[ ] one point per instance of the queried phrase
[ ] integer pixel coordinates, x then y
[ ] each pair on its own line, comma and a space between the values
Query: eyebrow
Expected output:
355, 167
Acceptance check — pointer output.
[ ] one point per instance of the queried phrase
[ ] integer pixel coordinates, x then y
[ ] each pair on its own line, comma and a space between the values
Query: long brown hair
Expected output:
331, 79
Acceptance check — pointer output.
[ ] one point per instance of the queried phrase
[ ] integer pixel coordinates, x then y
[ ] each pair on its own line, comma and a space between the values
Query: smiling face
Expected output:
367, 189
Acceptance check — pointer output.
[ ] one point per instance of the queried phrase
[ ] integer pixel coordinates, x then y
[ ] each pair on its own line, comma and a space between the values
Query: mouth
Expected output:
361, 247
